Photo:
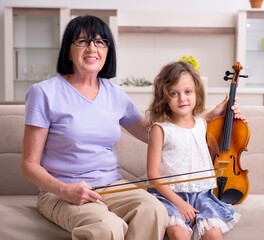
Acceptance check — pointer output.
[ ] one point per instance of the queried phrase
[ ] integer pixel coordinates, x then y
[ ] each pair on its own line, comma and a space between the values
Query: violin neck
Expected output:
228, 122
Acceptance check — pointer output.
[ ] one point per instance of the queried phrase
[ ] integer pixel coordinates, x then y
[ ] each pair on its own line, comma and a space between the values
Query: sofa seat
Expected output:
250, 225
20, 220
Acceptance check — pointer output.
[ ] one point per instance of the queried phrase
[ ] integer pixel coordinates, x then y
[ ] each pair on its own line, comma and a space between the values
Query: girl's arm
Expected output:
156, 138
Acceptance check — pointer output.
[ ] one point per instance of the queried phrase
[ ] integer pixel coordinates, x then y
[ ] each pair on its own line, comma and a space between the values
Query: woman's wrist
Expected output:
209, 116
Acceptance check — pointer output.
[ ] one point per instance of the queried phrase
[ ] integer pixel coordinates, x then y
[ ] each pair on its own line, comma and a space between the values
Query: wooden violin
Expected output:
227, 138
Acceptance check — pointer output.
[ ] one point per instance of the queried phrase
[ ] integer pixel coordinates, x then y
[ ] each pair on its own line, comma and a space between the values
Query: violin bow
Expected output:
152, 185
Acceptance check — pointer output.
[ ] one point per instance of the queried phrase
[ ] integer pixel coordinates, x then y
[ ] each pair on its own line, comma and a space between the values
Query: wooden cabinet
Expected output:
250, 46
32, 39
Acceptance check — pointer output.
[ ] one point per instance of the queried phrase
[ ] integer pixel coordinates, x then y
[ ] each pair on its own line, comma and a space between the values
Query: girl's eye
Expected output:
188, 92
173, 94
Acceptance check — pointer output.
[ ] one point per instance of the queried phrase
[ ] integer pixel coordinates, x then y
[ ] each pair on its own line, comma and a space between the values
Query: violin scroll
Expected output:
237, 68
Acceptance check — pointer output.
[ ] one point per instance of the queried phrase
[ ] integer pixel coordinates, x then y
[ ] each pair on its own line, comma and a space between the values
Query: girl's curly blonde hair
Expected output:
159, 110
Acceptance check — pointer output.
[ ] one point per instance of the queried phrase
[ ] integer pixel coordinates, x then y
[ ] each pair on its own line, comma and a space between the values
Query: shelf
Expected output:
95, 12
251, 95
255, 14
179, 30
255, 51
36, 11
27, 62
26, 81
103, 14
35, 48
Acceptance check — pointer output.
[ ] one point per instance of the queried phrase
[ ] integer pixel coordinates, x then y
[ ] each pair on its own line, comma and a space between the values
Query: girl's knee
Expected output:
178, 233
212, 234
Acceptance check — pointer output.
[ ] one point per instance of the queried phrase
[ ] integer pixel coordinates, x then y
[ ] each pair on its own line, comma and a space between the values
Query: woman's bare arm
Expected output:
33, 145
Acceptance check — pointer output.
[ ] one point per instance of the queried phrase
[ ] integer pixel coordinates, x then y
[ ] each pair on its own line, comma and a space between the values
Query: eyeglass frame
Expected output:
88, 42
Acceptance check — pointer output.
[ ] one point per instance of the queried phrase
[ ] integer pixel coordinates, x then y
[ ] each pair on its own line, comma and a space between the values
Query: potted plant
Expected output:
256, 3
135, 82
196, 66
192, 61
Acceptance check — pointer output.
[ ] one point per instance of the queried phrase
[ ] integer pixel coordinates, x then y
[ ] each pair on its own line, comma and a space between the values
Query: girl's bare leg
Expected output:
178, 233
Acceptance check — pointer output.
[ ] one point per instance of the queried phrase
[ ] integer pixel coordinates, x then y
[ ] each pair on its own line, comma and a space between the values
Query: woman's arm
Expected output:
220, 110
138, 130
33, 145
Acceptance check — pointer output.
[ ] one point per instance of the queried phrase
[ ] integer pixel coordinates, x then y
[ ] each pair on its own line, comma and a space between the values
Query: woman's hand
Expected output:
79, 193
237, 113
220, 110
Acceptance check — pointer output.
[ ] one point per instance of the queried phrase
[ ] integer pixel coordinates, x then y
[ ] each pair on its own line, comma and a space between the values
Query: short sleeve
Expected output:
36, 107
131, 115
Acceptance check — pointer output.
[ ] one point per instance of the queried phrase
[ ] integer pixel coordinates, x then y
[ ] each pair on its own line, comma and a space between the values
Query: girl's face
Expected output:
87, 60
182, 96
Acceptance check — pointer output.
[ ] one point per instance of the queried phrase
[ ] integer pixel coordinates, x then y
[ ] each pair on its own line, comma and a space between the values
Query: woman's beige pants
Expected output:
129, 215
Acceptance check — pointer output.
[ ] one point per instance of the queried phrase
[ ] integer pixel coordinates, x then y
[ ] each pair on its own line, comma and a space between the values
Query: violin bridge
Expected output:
223, 162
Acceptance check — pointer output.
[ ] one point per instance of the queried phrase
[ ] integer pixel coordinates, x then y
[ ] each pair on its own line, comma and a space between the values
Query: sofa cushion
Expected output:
12, 181
11, 129
250, 225
21, 220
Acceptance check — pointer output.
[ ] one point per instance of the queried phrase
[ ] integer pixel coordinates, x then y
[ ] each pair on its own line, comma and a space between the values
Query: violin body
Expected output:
227, 138
232, 180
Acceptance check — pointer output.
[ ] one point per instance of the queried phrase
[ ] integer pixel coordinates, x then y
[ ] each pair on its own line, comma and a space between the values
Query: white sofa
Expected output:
20, 219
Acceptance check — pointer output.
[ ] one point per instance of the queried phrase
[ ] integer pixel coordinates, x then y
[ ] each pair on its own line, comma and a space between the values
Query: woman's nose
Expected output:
91, 44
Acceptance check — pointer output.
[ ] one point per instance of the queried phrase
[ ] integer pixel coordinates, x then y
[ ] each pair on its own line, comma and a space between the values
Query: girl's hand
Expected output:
187, 211
79, 193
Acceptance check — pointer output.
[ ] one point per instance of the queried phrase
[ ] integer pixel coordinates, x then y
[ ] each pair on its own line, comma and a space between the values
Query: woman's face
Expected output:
89, 59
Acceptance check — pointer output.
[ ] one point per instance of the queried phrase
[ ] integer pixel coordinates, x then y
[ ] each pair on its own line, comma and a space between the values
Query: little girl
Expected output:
177, 145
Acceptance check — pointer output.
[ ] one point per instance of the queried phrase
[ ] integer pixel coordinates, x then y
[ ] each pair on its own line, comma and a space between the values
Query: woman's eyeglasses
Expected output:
99, 42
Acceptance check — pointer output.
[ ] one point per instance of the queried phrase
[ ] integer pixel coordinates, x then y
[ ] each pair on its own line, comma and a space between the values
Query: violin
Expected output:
227, 138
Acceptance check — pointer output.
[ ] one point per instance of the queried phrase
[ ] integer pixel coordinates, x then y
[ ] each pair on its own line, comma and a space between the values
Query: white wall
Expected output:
143, 54
229, 6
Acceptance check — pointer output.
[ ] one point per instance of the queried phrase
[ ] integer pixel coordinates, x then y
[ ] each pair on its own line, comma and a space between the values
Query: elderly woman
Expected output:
72, 125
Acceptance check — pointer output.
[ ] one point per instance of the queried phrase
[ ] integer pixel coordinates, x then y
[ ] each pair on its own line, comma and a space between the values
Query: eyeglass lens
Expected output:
100, 42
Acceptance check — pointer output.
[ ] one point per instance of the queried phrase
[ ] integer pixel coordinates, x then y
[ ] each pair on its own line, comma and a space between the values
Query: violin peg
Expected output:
226, 78
243, 76
227, 73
